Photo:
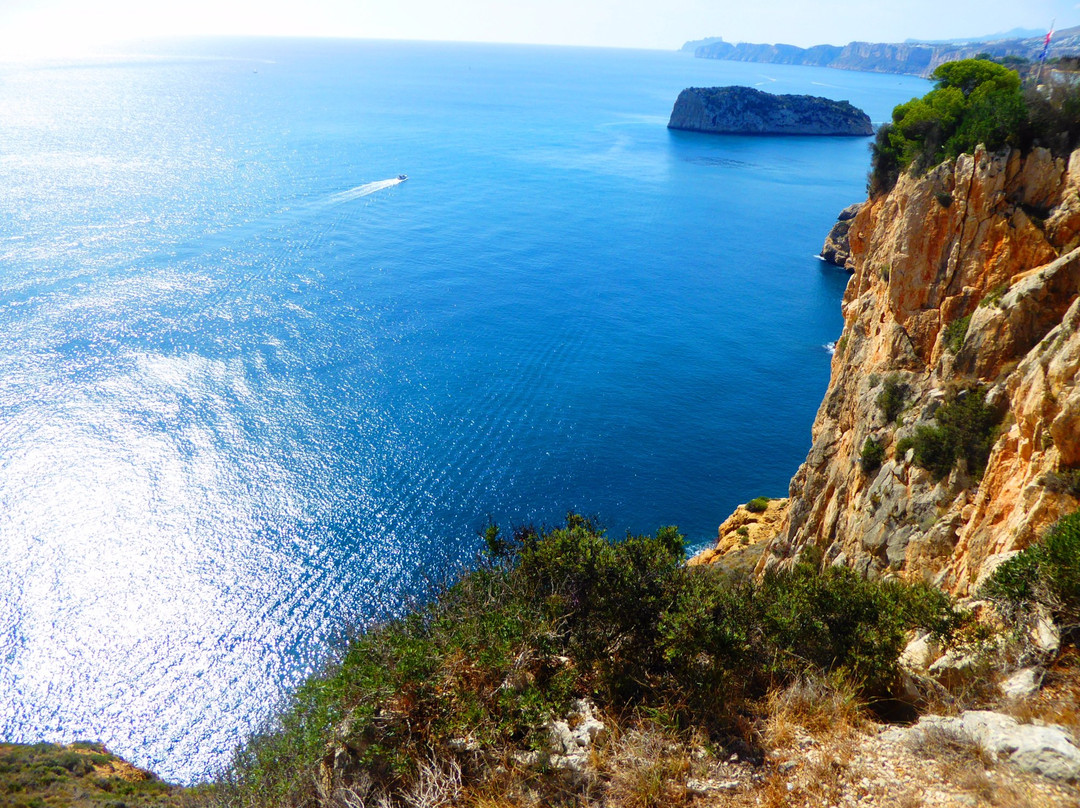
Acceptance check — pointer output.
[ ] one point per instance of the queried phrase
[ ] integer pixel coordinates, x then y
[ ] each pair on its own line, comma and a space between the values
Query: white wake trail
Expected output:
361, 190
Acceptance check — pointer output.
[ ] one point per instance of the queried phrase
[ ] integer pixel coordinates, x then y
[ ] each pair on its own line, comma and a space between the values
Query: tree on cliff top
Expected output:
973, 101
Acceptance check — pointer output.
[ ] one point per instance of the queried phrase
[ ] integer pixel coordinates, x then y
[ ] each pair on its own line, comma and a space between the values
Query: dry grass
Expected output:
647, 768
968, 767
814, 706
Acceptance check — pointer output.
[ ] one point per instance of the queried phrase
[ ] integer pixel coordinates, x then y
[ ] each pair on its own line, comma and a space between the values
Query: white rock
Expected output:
920, 653
1046, 750
1044, 633
1022, 683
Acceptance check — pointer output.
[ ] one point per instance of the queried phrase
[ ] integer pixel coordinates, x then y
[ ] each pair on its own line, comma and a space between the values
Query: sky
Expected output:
56, 27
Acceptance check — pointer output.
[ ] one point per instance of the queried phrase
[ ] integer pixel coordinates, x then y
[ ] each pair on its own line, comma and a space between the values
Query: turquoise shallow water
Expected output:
252, 389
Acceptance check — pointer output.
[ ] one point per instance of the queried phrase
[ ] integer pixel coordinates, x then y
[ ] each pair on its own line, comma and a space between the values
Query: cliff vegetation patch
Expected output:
974, 101
965, 430
892, 397
551, 620
1046, 573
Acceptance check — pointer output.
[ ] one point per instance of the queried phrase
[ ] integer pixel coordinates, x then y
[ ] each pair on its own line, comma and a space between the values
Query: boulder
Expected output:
1046, 750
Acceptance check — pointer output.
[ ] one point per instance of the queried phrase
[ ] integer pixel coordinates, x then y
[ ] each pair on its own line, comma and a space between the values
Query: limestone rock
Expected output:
1046, 750
572, 738
743, 534
920, 653
925, 255
1023, 682
837, 249
746, 111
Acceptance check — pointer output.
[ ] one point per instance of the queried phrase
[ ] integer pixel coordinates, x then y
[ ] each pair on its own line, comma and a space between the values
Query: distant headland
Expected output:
746, 111
913, 57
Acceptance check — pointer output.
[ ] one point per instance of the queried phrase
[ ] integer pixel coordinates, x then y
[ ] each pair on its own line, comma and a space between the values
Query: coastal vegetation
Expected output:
973, 102
1046, 574
44, 775
469, 682
965, 429
892, 397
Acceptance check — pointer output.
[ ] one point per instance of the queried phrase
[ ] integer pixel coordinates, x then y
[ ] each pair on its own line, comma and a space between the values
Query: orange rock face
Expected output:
993, 238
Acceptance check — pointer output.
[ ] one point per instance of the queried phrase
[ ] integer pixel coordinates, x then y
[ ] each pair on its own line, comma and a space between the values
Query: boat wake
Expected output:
830, 348
362, 190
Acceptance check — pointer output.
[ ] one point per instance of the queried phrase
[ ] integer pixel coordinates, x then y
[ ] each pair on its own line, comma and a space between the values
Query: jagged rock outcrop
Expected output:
746, 111
989, 237
743, 535
837, 249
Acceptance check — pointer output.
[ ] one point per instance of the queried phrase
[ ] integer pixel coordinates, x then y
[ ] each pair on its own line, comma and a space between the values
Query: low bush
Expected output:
758, 504
966, 429
891, 398
566, 613
993, 297
956, 333
872, 455
1048, 573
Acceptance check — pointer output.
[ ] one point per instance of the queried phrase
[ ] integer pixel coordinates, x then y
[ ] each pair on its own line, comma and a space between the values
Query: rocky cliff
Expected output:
965, 287
837, 249
916, 58
744, 110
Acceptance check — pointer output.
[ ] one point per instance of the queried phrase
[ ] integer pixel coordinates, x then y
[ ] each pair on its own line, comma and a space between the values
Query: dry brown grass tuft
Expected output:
648, 769
815, 706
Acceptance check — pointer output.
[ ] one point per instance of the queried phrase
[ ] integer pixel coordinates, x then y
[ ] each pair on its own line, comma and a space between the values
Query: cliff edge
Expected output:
746, 111
949, 436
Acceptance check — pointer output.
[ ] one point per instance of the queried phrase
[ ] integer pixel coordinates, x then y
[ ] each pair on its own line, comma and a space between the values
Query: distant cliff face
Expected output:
991, 238
915, 58
744, 110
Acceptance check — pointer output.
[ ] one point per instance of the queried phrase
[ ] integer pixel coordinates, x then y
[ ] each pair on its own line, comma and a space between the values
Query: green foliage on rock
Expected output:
973, 101
567, 613
965, 429
83, 774
758, 504
872, 455
956, 333
1046, 573
891, 398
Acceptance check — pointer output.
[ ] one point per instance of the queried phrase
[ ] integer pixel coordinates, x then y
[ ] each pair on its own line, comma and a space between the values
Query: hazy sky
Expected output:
60, 25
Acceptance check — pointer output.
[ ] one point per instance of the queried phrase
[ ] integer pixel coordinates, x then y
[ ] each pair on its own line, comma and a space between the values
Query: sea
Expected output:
256, 391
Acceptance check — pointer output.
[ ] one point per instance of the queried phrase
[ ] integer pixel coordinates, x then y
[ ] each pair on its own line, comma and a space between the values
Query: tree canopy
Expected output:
973, 101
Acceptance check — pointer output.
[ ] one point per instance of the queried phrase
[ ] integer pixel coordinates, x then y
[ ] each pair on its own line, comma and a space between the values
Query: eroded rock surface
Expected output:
990, 241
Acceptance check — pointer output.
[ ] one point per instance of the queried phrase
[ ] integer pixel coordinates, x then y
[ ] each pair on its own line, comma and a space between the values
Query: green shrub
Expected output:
993, 297
965, 428
568, 613
956, 333
1047, 572
758, 504
973, 101
891, 398
872, 455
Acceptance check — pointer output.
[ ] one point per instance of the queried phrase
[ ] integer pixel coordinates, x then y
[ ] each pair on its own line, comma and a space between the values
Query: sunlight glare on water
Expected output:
254, 390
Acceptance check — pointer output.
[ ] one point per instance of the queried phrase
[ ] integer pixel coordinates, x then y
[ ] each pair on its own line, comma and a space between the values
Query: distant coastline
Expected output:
911, 57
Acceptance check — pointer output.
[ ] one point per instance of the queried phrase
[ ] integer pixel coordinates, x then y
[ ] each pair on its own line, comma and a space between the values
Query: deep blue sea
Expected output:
254, 390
